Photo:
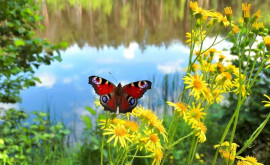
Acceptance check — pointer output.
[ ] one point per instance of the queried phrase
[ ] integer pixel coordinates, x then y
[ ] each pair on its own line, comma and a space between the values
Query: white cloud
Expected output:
171, 67
106, 61
81, 111
177, 46
47, 80
67, 80
129, 51
67, 66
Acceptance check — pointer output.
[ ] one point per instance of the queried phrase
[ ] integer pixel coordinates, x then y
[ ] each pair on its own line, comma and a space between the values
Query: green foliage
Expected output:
89, 150
253, 111
20, 51
25, 143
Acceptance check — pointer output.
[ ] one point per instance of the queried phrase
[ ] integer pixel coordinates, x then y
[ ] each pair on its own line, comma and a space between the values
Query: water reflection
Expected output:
65, 90
115, 23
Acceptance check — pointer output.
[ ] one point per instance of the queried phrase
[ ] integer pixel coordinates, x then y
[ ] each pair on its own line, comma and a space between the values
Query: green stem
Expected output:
224, 136
254, 135
125, 155
102, 147
120, 153
182, 138
134, 155
103, 138
191, 150
148, 156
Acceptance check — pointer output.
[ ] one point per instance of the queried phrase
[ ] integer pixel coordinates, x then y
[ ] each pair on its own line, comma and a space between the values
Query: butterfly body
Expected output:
124, 98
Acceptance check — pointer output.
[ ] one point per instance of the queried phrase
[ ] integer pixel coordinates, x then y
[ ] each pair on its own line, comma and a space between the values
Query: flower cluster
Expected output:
248, 160
193, 115
211, 74
228, 154
142, 133
227, 151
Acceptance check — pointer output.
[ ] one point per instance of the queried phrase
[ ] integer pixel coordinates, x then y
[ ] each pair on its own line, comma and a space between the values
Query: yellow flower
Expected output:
227, 151
119, 133
257, 25
236, 29
197, 85
199, 11
225, 21
149, 116
111, 122
97, 103
179, 107
158, 155
137, 111
257, 15
217, 95
197, 36
226, 145
241, 163
193, 5
132, 125
195, 114
161, 129
224, 81
246, 14
248, 160
195, 67
201, 130
266, 41
267, 103
246, 7
241, 20
228, 11
151, 140
243, 91
217, 16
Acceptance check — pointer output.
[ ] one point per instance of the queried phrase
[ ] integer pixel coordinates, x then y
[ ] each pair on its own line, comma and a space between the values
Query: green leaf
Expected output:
87, 121
89, 109
66, 132
64, 45
101, 116
19, 42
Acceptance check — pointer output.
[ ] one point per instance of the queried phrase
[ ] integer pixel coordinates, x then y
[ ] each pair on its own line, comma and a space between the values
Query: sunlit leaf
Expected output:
89, 109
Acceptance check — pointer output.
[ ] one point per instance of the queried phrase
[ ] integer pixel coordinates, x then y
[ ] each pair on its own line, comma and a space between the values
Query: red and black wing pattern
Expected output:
131, 93
137, 89
105, 89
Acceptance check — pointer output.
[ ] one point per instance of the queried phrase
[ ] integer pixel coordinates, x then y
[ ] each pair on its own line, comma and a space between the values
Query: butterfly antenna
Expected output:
113, 77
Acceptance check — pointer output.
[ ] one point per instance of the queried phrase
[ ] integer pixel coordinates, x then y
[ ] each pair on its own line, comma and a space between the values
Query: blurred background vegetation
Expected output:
38, 139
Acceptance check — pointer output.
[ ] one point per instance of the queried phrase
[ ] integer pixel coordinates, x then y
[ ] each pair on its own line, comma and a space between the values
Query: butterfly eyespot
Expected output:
143, 84
131, 101
105, 98
96, 80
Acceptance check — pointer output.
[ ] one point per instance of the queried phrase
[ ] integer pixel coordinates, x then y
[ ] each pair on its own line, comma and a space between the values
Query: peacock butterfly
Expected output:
112, 96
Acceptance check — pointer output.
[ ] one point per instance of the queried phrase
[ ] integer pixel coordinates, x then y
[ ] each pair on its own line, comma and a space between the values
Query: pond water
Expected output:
121, 41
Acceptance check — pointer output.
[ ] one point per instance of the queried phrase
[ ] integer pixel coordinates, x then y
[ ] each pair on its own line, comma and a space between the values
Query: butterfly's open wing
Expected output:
105, 89
131, 93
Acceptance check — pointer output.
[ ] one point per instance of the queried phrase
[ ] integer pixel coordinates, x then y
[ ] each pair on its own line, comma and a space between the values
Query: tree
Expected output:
21, 52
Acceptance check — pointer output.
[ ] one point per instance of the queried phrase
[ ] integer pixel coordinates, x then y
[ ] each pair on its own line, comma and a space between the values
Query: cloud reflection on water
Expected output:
65, 84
